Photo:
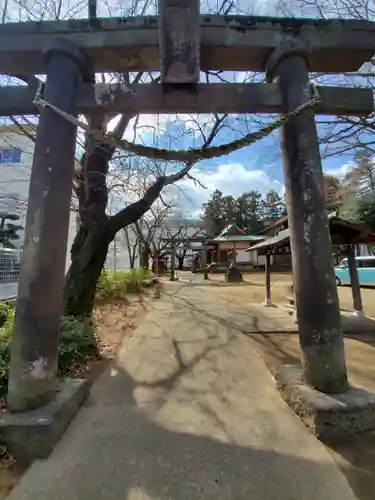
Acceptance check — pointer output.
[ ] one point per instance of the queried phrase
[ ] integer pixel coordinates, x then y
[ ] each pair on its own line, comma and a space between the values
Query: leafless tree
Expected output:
93, 181
98, 179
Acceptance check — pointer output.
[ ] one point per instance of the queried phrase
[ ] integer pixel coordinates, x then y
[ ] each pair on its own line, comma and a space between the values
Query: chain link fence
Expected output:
10, 265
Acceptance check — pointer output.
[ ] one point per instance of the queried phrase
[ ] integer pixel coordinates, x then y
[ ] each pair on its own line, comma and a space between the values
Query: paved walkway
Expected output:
189, 412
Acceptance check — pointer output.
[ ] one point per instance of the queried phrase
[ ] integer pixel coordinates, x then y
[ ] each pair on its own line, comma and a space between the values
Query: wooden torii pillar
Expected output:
354, 283
267, 298
317, 304
173, 261
36, 330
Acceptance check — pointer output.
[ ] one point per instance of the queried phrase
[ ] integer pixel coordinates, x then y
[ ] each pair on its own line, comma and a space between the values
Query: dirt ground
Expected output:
115, 321
355, 457
279, 282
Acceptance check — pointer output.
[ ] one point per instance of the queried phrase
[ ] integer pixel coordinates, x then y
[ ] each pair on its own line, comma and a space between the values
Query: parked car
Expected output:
365, 269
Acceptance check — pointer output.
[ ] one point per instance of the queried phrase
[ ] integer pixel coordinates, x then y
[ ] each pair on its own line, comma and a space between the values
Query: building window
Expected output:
10, 155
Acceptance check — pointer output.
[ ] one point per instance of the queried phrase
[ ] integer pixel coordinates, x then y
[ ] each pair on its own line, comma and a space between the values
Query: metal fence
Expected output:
10, 264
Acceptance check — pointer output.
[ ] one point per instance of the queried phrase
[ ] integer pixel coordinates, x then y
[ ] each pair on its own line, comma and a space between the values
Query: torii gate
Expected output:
180, 43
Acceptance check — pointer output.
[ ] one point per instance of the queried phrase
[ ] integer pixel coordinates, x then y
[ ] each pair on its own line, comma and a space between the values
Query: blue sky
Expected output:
255, 167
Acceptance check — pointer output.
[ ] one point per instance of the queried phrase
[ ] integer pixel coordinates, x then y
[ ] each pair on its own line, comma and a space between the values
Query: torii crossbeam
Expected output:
180, 43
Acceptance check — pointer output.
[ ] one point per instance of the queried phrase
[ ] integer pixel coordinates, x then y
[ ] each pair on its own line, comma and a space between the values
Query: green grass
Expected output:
78, 343
79, 340
118, 284
6, 322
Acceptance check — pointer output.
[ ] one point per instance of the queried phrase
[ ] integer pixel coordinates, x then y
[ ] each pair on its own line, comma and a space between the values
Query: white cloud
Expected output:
230, 178
339, 171
142, 124
193, 125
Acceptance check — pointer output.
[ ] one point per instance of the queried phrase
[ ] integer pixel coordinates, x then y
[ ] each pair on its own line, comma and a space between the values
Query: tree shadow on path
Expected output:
197, 430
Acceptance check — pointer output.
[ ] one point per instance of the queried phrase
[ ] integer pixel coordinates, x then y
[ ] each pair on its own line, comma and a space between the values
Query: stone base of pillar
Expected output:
33, 434
194, 268
330, 419
268, 303
234, 275
359, 314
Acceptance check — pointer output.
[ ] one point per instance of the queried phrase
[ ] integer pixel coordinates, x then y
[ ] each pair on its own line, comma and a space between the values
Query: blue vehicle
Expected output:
365, 268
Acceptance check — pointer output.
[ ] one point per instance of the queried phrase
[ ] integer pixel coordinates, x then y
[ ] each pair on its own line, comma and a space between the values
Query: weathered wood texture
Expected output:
179, 41
208, 98
173, 263
36, 330
318, 311
267, 298
354, 281
228, 42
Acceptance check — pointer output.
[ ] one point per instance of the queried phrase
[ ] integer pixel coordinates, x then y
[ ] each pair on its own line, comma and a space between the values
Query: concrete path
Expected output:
189, 412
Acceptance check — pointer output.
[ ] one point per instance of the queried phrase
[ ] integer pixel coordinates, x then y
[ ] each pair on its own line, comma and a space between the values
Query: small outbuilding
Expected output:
345, 235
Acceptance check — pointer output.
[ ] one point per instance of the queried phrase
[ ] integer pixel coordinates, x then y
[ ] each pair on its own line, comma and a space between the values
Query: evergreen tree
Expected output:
8, 230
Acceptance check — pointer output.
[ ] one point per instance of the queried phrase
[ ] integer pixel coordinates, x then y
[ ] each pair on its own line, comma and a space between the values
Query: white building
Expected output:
118, 253
16, 156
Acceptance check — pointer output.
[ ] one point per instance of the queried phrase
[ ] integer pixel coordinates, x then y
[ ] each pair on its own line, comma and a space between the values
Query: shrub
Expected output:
117, 284
5, 341
5, 310
78, 343
78, 340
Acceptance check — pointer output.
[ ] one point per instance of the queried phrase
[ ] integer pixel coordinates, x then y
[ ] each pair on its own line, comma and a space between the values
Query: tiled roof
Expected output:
232, 230
359, 234
240, 237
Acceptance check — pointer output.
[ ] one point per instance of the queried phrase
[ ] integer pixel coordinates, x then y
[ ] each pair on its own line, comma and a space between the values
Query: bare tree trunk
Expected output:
131, 252
144, 257
90, 248
88, 254
97, 231
158, 265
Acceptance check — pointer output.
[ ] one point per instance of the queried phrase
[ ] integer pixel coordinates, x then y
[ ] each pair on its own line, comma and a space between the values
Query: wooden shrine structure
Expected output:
180, 43
344, 234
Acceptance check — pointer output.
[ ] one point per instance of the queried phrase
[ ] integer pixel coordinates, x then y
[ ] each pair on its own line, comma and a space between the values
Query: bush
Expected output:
78, 343
5, 311
117, 284
7, 316
78, 340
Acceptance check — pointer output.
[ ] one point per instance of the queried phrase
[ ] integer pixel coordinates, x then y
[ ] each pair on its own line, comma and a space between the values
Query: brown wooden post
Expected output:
179, 41
318, 312
354, 282
204, 261
267, 301
36, 331
173, 261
